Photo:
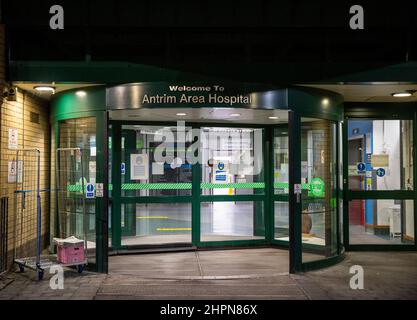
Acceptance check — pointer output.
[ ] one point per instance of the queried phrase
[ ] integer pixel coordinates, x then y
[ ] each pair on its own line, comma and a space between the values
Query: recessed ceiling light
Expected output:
401, 94
180, 114
234, 114
45, 89
325, 102
273, 118
81, 93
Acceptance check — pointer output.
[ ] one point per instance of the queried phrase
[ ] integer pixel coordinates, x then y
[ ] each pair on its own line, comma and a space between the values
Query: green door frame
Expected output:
275, 197
267, 198
386, 111
195, 199
295, 205
304, 102
101, 204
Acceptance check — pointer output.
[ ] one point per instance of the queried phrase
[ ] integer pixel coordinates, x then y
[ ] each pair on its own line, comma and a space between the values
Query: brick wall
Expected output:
17, 114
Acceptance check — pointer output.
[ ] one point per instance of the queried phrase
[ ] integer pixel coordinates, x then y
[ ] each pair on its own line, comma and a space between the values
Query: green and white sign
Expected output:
317, 187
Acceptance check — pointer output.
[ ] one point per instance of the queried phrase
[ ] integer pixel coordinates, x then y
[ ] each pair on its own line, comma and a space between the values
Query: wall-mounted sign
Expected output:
380, 160
12, 172
361, 167
13, 138
92, 169
157, 168
380, 172
221, 169
352, 170
99, 190
89, 191
122, 168
164, 94
139, 144
139, 166
317, 187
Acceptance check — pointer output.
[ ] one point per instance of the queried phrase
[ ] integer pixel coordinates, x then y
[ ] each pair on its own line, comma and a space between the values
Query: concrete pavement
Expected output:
225, 274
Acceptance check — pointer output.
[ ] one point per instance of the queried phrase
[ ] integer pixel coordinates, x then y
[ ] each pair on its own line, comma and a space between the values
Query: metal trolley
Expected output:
28, 213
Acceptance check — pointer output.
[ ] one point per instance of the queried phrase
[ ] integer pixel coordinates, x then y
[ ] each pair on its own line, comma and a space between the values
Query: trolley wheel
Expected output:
21, 268
80, 268
40, 274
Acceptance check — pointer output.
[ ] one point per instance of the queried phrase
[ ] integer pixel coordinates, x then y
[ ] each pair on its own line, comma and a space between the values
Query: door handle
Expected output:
297, 191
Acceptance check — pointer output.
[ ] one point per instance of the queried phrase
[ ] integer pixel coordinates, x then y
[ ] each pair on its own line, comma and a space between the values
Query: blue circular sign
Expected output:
220, 166
380, 172
361, 166
90, 187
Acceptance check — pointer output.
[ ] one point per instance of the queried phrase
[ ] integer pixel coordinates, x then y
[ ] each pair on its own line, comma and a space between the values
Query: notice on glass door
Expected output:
139, 167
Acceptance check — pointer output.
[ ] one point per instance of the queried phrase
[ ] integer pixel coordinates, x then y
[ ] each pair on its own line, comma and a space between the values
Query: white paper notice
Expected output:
139, 167
92, 171
99, 190
157, 168
11, 172
13, 138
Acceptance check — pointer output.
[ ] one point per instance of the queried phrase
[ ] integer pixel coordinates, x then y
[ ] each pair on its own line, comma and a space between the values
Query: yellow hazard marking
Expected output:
173, 229
152, 217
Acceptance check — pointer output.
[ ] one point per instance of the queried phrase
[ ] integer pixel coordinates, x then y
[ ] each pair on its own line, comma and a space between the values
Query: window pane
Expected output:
230, 220
156, 223
153, 162
282, 228
381, 222
280, 164
232, 162
319, 189
79, 133
380, 154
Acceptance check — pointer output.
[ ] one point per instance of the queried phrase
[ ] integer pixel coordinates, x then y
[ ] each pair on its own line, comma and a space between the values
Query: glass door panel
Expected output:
232, 179
281, 183
81, 133
156, 223
156, 185
319, 189
380, 160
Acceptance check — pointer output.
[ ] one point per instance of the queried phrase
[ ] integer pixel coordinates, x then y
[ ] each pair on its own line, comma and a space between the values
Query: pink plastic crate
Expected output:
71, 254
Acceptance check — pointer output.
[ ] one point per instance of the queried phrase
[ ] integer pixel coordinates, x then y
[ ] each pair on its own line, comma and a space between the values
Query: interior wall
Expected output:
386, 140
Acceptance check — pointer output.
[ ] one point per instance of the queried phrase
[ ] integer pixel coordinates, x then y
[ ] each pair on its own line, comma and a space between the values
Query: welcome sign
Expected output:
142, 95
214, 96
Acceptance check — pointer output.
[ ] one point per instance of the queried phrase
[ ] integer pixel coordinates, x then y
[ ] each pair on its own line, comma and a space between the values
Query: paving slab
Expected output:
251, 274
